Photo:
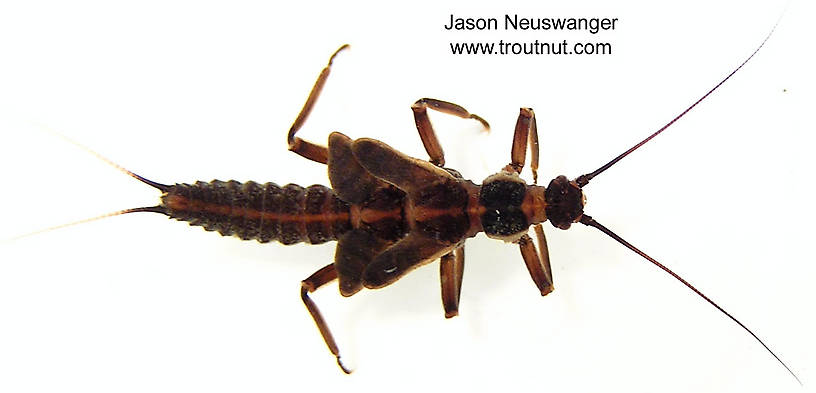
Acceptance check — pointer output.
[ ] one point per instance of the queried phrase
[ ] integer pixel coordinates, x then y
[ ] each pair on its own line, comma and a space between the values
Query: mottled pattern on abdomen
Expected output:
265, 212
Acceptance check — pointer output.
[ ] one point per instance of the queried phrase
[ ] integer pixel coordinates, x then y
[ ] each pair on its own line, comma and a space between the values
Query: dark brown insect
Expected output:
391, 213
276, 173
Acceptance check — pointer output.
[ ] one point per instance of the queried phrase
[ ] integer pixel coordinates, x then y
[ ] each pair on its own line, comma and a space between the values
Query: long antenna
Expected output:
584, 179
589, 221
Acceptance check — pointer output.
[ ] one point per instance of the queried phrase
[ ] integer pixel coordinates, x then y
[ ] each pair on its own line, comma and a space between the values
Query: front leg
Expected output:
526, 132
451, 269
538, 263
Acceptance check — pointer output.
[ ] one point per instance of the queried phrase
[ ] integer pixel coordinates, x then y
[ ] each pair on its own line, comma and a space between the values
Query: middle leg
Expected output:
426, 131
452, 265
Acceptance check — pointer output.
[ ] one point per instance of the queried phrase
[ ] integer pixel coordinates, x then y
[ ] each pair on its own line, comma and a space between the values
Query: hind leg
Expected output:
304, 148
309, 285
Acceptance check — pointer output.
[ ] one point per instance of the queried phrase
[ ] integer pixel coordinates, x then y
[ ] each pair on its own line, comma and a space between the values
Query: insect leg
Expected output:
544, 253
321, 277
426, 131
526, 133
537, 264
304, 148
450, 273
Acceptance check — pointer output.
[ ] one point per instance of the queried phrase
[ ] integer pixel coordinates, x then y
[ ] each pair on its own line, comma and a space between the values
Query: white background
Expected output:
179, 91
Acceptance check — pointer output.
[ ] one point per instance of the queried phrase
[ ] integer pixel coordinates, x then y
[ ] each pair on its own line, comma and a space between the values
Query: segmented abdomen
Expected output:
265, 212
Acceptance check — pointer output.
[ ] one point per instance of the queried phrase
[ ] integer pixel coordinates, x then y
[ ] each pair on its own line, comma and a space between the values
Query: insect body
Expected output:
391, 213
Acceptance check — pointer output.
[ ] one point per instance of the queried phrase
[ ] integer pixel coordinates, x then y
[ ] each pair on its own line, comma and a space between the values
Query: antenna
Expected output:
589, 221
584, 179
